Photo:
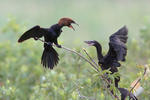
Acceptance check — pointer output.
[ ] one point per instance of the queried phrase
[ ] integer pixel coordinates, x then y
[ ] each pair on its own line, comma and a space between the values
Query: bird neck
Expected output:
61, 25
99, 51
56, 27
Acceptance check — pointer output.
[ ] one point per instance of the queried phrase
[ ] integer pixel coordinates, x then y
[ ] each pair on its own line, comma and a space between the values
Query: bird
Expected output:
116, 53
124, 93
49, 57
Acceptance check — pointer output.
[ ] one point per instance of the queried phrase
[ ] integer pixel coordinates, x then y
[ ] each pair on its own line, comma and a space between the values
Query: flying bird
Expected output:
117, 51
50, 56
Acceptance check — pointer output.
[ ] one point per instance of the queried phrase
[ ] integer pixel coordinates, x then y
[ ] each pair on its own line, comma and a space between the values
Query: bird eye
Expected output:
69, 24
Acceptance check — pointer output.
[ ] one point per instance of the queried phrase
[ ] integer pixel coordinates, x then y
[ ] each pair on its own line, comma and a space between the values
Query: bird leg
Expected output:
59, 46
56, 43
36, 38
49, 43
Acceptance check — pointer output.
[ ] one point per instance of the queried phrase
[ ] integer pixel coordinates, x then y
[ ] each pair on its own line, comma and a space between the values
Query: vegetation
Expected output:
22, 77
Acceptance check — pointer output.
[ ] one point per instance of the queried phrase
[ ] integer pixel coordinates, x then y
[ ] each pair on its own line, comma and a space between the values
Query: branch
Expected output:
73, 51
91, 58
82, 96
140, 78
93, 66
102, 76
79, 94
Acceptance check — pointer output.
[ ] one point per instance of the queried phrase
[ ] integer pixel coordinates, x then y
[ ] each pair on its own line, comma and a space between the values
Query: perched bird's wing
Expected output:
34, 32
117, 44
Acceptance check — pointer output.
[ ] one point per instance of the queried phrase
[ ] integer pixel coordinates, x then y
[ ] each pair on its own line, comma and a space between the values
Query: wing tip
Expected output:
19, 41
124, 28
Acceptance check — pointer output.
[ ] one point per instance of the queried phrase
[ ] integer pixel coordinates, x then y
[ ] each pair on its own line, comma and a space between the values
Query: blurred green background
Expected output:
21, 74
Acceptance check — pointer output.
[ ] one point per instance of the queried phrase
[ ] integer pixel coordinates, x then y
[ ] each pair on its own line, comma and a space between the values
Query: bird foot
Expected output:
49, 43
35, 38
59, 46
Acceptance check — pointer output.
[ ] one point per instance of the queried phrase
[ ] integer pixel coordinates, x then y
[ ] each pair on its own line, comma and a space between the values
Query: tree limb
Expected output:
102, 76
93, 66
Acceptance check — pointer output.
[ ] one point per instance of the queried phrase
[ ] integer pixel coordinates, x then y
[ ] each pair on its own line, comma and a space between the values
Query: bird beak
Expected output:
89, 43
70, 26
76, 23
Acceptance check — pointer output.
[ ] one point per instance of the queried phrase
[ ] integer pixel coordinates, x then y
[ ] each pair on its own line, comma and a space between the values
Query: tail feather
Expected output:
49, 57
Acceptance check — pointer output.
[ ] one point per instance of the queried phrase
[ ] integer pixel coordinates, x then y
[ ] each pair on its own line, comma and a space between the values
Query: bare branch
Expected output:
73, 51
102, 76
93, 66
91, 58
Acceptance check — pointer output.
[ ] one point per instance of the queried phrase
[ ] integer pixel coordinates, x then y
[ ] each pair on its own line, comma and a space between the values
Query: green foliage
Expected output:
23, 78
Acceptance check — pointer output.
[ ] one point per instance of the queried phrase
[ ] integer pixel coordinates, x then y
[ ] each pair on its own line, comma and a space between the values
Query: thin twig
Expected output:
79, 54
140, 78
135, 85
91, 58
73, 51
102, 76
79, 94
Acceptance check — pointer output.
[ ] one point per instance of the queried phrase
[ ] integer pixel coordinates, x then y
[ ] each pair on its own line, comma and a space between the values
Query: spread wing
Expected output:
117, 44
35, 31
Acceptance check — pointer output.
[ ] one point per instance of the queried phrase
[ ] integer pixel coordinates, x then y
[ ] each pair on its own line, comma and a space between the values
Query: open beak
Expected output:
89, 43
76, 23
70, 26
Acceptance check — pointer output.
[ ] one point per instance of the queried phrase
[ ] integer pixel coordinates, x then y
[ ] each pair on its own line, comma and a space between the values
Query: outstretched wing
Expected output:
117, 44
36, 31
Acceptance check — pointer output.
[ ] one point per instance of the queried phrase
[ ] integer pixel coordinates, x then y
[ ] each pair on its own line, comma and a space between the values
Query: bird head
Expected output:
91, 43
67, 22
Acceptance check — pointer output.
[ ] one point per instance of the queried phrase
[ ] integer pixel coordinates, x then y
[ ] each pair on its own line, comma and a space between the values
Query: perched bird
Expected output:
117, 51
50, 56
124, 93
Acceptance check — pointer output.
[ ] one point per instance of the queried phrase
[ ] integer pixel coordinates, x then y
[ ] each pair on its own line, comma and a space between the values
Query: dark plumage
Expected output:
50, 56
117, 51
124, 93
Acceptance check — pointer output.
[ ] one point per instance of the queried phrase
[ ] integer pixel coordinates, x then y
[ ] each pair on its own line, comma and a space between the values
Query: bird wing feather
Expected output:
117, 44
35, 31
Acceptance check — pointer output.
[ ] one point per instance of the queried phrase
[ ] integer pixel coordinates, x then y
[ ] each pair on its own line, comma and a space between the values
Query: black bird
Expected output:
117, 51
50, 56
124, 93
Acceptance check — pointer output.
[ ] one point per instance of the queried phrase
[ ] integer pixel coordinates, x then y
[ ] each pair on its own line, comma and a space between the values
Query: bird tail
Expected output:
49, 57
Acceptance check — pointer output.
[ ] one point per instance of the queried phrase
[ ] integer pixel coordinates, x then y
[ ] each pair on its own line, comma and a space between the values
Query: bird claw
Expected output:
59, 46
35, 38
49, 43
